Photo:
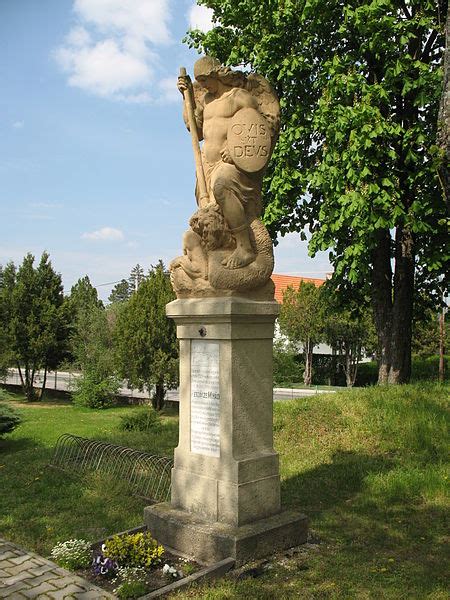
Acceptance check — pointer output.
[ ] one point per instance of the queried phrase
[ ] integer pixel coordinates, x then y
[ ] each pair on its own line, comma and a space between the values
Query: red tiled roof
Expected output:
283, 281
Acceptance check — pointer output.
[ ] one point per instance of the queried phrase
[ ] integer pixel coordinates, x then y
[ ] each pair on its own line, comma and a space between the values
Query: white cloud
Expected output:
142, 19
103, 68
18, 124
200, 17
108, 234
45, 205
168, 87
111, 52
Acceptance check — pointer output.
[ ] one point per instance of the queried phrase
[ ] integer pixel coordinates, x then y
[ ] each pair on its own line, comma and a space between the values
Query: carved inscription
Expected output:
205, 398
249, 140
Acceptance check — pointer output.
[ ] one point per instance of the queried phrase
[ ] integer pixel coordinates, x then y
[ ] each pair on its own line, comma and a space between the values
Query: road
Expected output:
64, 381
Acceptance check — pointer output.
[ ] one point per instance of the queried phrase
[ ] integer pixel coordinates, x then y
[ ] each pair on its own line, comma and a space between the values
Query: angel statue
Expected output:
227, 249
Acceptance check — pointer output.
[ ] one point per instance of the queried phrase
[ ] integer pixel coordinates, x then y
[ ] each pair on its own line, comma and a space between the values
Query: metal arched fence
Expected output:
148, 475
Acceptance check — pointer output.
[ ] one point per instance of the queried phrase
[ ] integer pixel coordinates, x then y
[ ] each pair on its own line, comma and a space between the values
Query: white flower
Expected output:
168, 570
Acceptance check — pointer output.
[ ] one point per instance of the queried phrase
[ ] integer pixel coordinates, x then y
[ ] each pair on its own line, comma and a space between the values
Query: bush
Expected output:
9, 419
134, 550
72, 554
92, 391
132, 589
287, 367
367, 374
142, 419
424, 369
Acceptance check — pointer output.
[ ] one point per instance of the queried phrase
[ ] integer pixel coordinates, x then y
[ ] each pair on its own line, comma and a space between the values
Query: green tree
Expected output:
92, 347
83, 299
426, 333
356, 161
301, 320
7, 278
348, 334
98, 384
136, 277
120, 292
34, 320
145, 339
83, 296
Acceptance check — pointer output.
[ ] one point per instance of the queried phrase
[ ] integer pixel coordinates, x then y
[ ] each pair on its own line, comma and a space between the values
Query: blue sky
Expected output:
96, 165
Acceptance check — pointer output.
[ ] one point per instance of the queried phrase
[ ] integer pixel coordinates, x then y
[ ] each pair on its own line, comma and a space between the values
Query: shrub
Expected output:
367, 374
92, 391
287, 367
142, 419
72, 554
9, 419
134, 550
130, 589
424, 369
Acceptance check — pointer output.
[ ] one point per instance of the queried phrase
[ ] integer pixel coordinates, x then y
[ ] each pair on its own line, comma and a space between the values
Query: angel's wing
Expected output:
267, 99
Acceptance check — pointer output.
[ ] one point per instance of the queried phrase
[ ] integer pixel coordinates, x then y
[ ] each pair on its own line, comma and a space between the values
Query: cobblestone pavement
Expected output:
24, 575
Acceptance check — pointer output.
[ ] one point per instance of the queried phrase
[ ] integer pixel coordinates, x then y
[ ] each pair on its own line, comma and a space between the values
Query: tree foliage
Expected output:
302, 320
126, 287
145, 339
357, 161
34, 320
82, 301
120, 292
92, 347
137, 276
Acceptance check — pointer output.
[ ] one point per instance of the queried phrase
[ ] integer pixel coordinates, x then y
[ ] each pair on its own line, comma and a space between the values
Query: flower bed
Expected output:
129, 565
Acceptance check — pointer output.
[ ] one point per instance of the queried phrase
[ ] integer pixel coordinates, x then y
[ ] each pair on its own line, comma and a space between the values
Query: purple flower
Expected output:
104, 566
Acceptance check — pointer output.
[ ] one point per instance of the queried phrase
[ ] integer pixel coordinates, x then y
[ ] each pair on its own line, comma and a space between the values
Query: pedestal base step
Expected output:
212, 542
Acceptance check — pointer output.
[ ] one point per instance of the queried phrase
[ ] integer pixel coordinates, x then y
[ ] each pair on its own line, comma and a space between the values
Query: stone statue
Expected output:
227, 250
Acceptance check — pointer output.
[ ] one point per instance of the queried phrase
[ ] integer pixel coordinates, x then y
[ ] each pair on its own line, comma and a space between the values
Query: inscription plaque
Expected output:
249, 141
205, 398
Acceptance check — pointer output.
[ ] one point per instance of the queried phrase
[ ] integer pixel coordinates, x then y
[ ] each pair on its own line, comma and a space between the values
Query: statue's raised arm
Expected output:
237, 117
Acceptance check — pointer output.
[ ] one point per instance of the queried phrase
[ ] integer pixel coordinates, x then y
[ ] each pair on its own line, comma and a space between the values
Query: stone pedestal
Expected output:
225, 481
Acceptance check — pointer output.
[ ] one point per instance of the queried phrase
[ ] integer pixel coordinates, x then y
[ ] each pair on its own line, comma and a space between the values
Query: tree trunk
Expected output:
158, 397
441, 346
333, 366
382, 300
307, 375
21, 376
350, 368
43, 383
27, 385
400, 369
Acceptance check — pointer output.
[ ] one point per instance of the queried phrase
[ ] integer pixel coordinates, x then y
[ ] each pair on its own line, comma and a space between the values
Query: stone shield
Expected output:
249, 141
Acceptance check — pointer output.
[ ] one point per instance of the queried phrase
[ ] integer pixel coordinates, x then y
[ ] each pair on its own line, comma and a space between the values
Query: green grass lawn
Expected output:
369, 467
40, 505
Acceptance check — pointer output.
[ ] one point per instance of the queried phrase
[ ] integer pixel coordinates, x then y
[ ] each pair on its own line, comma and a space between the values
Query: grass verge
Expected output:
369, 467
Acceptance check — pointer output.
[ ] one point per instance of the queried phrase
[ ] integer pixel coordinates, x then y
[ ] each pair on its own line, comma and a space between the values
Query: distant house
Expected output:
284, 281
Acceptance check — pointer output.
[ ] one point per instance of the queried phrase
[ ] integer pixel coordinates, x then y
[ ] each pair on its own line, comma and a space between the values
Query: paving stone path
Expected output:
24, 575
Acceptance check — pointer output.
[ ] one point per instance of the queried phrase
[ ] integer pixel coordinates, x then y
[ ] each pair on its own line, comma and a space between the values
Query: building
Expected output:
284, 281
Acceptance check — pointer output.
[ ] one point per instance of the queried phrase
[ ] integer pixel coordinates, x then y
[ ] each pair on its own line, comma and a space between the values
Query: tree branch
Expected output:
429, 45
405, 9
